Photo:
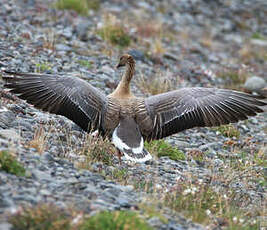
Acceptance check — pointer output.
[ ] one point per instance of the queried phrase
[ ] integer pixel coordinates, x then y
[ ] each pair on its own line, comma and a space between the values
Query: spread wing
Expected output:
71, 97
186, 108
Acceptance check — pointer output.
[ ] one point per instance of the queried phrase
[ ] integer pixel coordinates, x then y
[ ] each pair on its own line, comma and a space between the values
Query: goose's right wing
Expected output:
71, 97
182, 109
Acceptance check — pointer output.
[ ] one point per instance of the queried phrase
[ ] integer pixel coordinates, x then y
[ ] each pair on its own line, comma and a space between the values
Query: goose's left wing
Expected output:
71, 97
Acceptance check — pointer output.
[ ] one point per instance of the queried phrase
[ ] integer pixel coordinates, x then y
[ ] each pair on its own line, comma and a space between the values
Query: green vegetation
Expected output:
113, 32
228, 131
85, 63
203, 205
49, 217
41, 67
144, 185
80, 6
258, 36
9, 164
116, 220
116, 35
120, 175
162, 148
41, 217
93, 4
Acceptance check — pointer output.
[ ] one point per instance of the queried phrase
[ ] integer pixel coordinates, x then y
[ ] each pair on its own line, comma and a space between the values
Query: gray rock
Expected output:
9, 134
5, 226
255, 84
82, 30
155, 222
207, 146
63, 47
6, 118
137, 54
259, 42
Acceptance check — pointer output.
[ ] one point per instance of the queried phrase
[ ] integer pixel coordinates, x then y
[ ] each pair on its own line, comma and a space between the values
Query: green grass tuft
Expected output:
228, 131
258, 36
42, 67
116, 35
116, 220
120, 175
80, 6
9, 164
41, 217
85, 63
162, 148
114, 32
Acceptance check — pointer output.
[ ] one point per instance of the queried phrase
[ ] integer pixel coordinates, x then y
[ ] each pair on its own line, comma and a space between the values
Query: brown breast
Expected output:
132, 107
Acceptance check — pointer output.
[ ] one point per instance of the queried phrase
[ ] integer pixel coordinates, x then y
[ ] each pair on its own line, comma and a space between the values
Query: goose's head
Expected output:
125, 59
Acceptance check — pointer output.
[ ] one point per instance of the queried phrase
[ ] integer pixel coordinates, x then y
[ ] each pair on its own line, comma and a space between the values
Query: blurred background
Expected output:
205, 178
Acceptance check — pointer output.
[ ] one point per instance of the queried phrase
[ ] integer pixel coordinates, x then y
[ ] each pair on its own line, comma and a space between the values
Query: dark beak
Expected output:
119, 65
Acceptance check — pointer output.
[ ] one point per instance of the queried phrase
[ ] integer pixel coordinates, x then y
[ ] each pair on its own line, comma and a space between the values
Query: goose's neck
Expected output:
123, 90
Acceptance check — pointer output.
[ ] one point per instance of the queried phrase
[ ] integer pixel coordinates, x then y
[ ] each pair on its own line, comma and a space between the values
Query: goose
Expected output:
126, 119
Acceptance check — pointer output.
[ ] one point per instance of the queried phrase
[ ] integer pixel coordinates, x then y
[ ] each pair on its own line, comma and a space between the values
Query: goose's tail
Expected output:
128, 139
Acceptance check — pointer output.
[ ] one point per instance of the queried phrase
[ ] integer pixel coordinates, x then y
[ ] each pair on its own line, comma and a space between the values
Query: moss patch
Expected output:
162, 148
9, 164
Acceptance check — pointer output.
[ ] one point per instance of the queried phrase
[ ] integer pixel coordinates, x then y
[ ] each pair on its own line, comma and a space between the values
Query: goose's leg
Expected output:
119, 155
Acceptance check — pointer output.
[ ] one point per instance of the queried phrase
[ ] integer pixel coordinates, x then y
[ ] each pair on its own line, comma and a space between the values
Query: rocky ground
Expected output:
193, 43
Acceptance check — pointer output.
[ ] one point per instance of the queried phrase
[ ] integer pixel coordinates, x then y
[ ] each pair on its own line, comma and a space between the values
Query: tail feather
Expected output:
128, 139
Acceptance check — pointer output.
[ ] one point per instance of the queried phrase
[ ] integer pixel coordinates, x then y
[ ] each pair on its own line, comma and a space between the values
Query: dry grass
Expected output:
148, 28
50, 217
114, 32
49, 40
39, 141
228, 131
207, 40
41, 217
234, 78
160, 83
95, 149
204, 205
250, 53
157, 47
151, 33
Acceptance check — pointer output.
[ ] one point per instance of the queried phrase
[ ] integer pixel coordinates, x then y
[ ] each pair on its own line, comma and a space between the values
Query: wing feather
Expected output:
198, 107
71, 97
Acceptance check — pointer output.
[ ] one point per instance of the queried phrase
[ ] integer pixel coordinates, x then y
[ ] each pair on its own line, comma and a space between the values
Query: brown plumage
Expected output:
129, 120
